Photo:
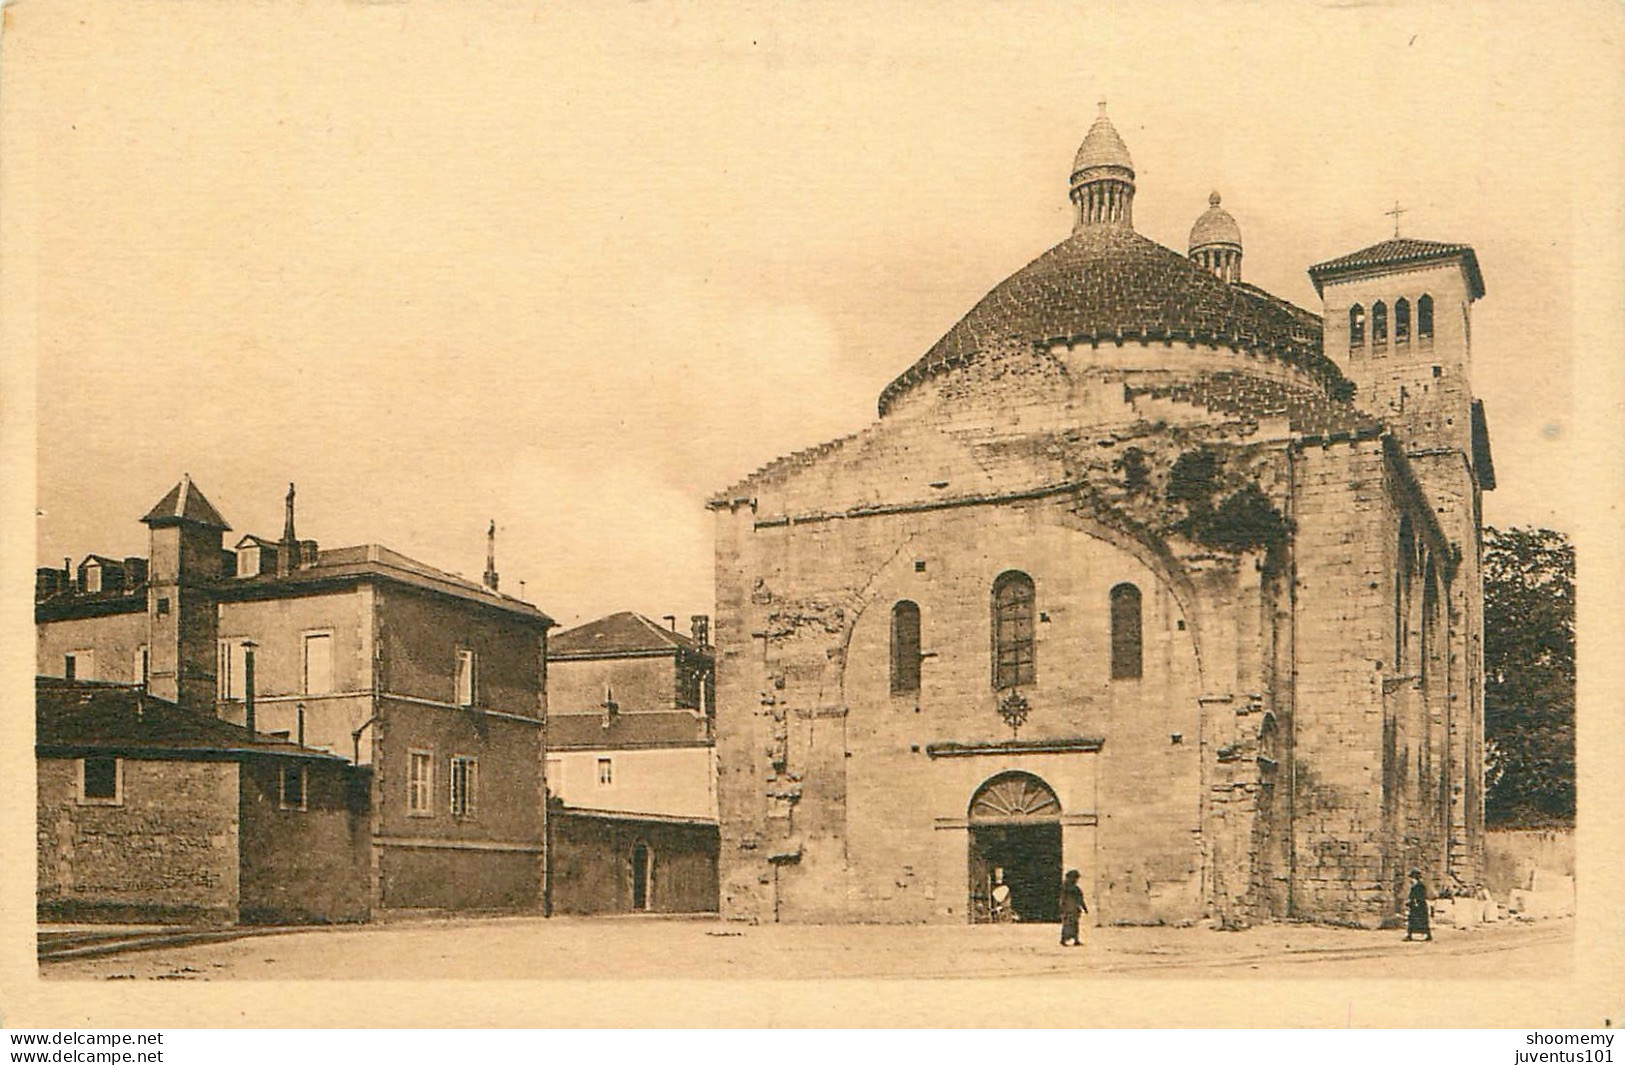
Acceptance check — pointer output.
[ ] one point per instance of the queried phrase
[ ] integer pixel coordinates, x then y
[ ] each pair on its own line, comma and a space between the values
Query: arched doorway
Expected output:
1015, 839
643, 860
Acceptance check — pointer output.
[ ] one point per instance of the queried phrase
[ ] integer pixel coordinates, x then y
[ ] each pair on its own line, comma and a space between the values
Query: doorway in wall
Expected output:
1015, 850
642, 877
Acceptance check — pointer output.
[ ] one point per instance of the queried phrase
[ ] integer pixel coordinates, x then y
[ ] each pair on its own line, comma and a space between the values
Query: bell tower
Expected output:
186, 561
1398, 322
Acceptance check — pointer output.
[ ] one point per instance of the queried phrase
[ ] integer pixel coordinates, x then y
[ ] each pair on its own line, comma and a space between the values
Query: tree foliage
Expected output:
1528, 677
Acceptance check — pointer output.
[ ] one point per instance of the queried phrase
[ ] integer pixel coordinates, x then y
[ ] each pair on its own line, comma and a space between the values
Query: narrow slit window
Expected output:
1424, 318
1356, 326
905, 647
1402, 321
1379, 323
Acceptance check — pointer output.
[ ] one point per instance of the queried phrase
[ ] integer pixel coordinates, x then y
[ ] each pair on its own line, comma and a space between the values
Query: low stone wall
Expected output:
1531, 871
591, 864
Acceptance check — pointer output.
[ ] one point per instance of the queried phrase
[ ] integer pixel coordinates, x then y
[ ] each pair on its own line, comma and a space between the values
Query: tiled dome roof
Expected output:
1110, 283
1216, 226
1102, 147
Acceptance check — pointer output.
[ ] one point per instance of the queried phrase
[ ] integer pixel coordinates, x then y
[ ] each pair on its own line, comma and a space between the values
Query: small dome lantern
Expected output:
1216, 242
1102, 185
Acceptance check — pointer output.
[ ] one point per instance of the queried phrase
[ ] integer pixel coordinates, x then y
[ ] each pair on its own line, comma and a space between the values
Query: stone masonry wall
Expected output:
167, 852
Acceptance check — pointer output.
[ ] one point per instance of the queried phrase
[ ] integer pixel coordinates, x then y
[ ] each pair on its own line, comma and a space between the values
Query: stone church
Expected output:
1143, 572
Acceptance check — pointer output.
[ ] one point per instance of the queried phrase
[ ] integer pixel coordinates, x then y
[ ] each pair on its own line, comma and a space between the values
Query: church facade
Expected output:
1142, 571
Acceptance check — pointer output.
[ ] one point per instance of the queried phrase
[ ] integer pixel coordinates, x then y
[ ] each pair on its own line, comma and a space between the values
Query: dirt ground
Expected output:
523, 948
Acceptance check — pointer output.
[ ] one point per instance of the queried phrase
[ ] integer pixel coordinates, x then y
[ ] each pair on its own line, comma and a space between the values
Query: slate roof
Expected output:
624, 633
1400, 251
1109, 283
74, 716
185, 503
348, 564
639, 729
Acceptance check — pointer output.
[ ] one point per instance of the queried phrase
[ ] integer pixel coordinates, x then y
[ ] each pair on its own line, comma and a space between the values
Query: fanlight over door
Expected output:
1014, 796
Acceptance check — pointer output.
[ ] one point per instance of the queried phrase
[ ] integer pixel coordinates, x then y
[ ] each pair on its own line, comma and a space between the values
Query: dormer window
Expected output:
248, 560
1356, 326
93, 577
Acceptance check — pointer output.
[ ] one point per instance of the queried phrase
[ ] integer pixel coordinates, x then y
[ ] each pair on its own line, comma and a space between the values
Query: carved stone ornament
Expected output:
1014, 709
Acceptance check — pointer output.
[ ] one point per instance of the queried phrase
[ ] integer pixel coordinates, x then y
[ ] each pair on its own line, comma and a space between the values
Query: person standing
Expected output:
1000, 896
1072, 907
1416, 909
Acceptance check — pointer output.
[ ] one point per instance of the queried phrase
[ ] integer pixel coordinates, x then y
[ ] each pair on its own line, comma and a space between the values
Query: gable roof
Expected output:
1400, 251
185, 504
73, 717
629, 731
625, 633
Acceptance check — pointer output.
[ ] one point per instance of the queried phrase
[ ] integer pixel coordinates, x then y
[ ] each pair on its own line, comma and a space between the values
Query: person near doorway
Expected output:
1000, 897
1416, 909
1072, 907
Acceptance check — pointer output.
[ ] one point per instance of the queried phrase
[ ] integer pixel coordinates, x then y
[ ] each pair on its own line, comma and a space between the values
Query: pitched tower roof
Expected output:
1400, 252
185, 505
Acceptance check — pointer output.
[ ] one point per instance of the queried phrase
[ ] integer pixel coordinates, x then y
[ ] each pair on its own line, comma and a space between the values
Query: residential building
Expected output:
432, 683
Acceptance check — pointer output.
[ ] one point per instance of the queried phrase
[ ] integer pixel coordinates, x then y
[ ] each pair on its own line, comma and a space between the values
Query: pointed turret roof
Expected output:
185, 505
1102, 146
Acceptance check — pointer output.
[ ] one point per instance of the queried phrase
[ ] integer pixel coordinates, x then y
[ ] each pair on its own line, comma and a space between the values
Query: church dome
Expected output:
1108, 283
1216, 226
1102, 147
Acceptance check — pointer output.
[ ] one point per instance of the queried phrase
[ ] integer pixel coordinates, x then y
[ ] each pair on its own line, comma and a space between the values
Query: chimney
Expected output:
491, 556
670, 620
700, 628
248, 684
287, 555
67, 576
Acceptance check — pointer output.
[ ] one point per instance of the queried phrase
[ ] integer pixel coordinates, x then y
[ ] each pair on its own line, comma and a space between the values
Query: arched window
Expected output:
1126, 655
1424, 318
1013, 663
1356, 326
905, 647
1379, 323
1402, 320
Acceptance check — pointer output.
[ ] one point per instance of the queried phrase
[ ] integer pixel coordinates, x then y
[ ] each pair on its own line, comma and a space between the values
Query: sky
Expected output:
577, 269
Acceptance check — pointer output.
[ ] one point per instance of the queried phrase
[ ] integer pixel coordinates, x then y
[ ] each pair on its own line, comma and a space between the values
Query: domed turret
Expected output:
1216, 242
1102, 184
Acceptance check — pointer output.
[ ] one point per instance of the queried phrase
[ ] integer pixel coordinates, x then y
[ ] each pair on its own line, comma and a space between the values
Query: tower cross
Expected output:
1395, 213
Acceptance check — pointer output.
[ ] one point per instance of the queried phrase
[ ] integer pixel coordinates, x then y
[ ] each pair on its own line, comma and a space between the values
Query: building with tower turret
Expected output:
427, 688
1142, 571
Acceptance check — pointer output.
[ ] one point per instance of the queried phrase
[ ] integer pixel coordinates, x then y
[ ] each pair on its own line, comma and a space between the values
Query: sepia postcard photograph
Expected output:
946, 514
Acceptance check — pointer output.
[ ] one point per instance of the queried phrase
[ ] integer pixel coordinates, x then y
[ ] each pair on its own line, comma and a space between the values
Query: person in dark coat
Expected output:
1072, 905
1416, 909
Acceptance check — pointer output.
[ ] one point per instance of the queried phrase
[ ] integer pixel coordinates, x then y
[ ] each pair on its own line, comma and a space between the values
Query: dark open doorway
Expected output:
642, 867
1030, 859
1015, 850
